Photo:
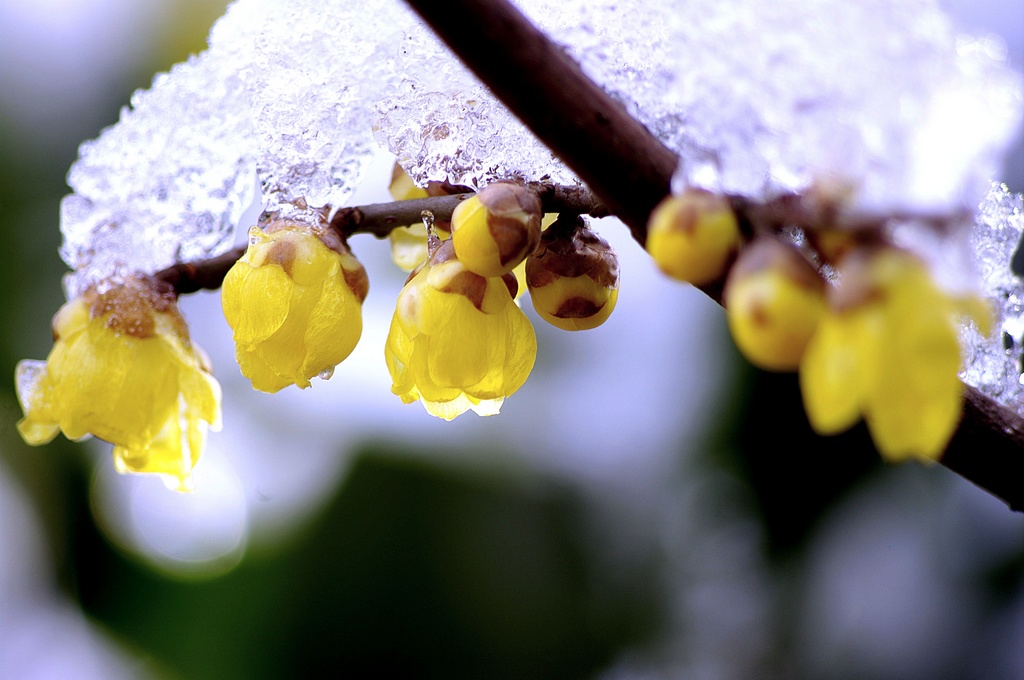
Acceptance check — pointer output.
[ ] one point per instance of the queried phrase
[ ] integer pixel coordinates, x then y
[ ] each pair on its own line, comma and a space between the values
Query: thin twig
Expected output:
378, 219
190, 277
988, 449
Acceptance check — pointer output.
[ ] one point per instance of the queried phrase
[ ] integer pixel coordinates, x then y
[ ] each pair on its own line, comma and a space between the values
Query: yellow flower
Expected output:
409, 245
294, 303
888, 349
123, 369
457, 340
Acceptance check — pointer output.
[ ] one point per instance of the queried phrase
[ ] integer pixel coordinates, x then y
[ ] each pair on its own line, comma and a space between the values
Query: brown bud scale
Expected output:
471, 286
129, 308
357, 281
577, 308
569, 249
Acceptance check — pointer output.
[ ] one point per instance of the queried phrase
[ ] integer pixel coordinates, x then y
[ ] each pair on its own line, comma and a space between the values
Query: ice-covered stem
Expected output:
630, 171
615, 155
379, 219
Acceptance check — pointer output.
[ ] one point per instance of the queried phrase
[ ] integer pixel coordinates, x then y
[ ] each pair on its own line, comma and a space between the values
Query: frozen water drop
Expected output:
27, 377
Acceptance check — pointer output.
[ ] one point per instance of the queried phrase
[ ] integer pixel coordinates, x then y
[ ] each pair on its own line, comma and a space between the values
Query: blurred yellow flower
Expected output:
888, 349
294, 303
123, 369
693, 236
457, 340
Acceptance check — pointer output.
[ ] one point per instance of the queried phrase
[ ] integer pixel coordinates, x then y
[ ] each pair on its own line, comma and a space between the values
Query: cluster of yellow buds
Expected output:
879, 340
123, 369
458, 340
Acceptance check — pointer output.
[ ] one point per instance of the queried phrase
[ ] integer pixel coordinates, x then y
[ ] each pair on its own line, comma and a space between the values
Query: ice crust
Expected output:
166, 183
994, 364
276, 98
880, 96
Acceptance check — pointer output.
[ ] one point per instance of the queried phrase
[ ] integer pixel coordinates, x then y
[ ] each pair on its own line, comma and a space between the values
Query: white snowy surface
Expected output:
993, 364
881, 97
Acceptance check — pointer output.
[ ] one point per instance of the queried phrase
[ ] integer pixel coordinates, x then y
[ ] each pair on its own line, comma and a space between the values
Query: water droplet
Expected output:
326, 373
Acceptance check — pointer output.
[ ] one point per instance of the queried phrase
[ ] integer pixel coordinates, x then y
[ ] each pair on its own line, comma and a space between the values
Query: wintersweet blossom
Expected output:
294, 302
457, 341
123, 369
887, 348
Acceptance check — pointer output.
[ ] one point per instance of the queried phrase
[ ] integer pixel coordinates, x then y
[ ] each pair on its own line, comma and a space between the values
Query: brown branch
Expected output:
624, 165
190, 277
630, 171
988, 449
378, 219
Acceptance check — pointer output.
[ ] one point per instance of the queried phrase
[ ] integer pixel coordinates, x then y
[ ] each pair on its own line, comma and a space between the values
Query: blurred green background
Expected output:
700, 552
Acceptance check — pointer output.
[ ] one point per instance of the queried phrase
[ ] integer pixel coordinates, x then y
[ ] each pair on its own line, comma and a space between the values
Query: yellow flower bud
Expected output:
774, 299
888, 349
573, 276
457, 340
496, 229
123, 369
294, 302
693, 236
